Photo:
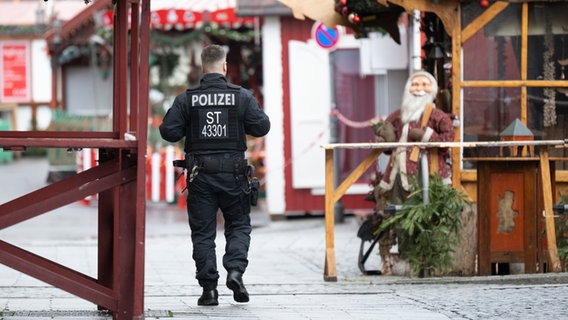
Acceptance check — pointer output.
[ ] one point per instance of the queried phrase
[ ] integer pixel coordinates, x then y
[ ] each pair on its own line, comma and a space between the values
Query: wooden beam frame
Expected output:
447, 11
119, 179
482, 20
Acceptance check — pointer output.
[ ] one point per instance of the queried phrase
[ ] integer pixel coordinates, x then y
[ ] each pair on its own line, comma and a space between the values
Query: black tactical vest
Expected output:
214, 117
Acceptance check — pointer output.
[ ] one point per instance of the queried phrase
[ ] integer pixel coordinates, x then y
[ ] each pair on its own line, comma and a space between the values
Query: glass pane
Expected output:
548, 41
548, 118
547, 112
470, 11
547, 60
494, 52
488, 111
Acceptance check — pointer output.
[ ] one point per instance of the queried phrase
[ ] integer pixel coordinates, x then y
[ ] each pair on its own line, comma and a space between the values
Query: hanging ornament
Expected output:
354, 18
484, 3
341, 7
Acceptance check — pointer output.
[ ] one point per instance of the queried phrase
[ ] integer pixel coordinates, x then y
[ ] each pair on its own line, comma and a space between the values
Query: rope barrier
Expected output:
313, 143
352, 123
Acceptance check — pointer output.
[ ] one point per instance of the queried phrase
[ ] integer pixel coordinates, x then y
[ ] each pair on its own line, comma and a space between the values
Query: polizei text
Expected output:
213, 99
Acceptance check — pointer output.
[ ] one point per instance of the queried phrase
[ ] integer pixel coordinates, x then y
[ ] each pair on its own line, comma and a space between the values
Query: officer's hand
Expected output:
416, 134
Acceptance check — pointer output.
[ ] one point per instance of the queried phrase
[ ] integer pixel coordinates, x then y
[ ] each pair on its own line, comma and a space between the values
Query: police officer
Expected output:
214, 118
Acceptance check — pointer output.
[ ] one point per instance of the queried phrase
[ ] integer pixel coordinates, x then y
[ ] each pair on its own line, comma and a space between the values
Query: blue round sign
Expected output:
325, 37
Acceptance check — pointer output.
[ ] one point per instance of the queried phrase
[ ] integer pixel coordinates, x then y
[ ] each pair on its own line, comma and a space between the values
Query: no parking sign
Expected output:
325, 37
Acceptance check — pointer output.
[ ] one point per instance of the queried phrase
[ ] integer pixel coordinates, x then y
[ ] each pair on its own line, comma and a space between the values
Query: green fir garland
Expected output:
178, 38
428, 233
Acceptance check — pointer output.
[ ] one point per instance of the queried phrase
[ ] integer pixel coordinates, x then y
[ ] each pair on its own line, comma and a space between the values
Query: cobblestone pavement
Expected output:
284, 278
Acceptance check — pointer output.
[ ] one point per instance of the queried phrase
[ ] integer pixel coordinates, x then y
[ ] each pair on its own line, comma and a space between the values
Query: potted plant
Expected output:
428, 232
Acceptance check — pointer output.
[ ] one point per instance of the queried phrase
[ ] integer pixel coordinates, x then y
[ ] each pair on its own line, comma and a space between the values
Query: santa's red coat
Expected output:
438, 129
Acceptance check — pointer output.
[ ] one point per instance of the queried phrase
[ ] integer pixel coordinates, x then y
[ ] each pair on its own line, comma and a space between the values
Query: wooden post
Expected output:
333, 195
330, 273
549, 214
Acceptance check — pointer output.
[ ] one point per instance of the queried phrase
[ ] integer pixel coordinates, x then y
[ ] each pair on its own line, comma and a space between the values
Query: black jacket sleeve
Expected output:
173, 127
256, 122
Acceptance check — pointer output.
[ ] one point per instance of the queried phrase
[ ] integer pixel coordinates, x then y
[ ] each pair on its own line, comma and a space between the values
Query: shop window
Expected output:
488, 111
354, 97
528, 54
493, 53
547, 50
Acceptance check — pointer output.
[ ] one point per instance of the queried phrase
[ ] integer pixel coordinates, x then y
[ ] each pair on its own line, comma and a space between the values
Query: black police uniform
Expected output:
214, 119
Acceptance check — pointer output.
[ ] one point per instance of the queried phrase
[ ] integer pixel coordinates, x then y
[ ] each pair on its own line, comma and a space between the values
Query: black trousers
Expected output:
208, 193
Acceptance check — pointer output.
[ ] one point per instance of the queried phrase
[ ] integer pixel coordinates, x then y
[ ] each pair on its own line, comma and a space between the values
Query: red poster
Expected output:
14, 67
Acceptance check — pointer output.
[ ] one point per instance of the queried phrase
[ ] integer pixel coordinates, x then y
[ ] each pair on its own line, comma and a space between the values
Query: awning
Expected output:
191, 14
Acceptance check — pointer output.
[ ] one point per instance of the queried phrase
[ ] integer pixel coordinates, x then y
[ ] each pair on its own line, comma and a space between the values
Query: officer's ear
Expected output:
225, 67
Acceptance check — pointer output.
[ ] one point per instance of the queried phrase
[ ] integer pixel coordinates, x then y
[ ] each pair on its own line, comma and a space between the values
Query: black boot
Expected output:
235, 283
209, 297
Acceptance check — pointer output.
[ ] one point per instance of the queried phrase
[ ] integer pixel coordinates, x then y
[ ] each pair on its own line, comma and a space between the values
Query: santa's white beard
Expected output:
413, 106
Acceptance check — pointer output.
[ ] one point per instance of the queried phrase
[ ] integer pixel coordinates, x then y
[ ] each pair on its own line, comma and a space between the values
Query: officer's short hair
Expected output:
212, 54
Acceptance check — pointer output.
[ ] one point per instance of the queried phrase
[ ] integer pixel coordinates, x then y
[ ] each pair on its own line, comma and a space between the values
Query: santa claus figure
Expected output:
418, 120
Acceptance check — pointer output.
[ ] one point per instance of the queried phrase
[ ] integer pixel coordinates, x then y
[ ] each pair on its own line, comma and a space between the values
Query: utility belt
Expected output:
209, 164
215, 164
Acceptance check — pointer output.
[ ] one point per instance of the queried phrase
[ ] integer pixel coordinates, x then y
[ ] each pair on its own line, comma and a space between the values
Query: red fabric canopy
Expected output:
191, 14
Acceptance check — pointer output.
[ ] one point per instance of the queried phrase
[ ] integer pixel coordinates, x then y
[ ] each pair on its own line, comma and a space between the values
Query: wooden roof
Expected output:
262, 8
81, 20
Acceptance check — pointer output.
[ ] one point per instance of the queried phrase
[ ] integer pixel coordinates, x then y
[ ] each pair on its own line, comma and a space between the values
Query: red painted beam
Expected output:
140, 188
125, 251
23, 143
125, 242
63, 192
57, 275
120, 64
134, 72
60, 134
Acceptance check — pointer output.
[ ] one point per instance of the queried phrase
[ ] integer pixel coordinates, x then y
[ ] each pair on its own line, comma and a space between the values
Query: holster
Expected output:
254, 185
186, 163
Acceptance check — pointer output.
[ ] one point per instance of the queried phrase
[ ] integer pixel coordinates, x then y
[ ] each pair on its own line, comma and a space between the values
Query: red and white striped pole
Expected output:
161, 174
